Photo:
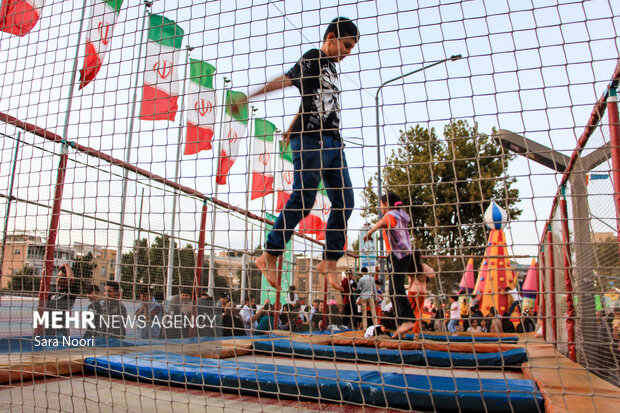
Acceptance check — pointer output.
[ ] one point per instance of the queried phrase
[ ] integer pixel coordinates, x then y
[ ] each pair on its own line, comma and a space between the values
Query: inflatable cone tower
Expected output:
530, 286
496, 273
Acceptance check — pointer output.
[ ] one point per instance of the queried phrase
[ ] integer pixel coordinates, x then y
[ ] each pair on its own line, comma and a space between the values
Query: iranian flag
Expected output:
200, 107
19, 16
102, 20
285, 177
316, 222
262, 174
233, 129
161, 81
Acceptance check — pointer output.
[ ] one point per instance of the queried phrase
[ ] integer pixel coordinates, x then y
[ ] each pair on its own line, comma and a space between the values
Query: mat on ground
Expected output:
396, 390
512, 357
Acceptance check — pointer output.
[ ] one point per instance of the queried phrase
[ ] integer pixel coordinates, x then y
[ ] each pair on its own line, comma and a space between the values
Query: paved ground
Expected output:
90, 394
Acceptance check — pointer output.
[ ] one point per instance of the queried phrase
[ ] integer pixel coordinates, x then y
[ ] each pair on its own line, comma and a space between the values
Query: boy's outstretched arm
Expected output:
278, 83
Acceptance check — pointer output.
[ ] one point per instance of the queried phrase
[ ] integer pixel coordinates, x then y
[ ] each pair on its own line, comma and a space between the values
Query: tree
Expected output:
25, 280
151, 266
445, 186
83, 266
606, 253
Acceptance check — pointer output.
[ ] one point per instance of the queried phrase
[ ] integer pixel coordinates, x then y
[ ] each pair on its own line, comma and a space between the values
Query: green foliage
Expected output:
83, 267
446, 184
150, 264
25, 281
608, 261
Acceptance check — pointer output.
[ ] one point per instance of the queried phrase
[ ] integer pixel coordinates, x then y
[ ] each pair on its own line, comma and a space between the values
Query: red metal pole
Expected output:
541, 295
570, 304
614, 140
50, 247
552, 306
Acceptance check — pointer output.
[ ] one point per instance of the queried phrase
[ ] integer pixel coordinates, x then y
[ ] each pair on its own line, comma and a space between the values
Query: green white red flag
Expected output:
262, 173
161, 80
201, 105
19, 16
316, 221
233, 130
102, 19
285, 177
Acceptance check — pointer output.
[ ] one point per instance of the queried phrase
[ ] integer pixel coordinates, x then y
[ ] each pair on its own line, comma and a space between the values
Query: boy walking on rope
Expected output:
318, 150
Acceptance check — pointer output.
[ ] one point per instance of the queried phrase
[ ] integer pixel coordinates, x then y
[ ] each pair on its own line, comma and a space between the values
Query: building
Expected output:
28, 251
600, 237
310, 285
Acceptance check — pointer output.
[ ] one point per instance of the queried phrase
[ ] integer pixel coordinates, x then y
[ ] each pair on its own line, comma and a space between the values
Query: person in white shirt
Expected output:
474, 327
376, 330
292, 298
249, 317
455, 314
516, 299
315, 314
367, 297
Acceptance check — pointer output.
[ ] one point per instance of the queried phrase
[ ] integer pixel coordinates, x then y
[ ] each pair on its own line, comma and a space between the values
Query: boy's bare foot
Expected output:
328, 268
268, 264
402, 329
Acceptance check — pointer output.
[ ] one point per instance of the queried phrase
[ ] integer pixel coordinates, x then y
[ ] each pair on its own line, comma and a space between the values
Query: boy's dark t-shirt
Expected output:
316, 77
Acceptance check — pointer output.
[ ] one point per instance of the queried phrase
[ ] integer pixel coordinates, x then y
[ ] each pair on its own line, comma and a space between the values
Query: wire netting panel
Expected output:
252, 206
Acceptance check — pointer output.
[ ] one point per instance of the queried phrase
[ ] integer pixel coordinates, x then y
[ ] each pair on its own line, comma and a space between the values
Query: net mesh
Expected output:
142, 168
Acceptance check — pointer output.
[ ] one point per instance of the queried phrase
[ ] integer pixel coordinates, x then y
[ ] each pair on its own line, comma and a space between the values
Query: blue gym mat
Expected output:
395, 390
513, 357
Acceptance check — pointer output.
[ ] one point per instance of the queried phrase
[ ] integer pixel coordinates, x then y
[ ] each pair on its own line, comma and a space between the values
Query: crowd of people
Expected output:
363, 306
107, 307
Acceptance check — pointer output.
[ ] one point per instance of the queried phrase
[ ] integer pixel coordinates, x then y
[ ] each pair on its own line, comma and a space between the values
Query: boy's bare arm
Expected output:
275, 84
270, 86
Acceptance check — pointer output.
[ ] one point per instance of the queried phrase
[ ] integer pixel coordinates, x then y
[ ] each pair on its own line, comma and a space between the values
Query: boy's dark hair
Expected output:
342, 27
115, 285
187, 291
364, 270
390, 198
